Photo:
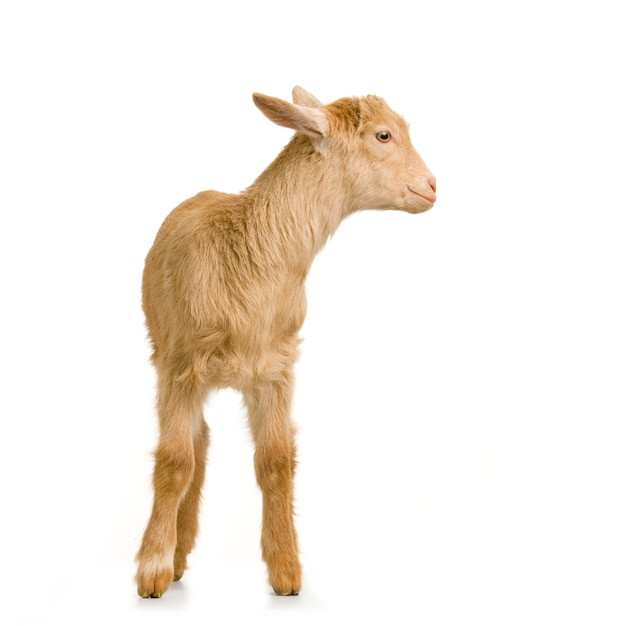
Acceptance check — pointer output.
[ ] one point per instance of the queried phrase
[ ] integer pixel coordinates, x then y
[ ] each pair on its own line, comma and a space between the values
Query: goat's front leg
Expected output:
189, 508
274, 461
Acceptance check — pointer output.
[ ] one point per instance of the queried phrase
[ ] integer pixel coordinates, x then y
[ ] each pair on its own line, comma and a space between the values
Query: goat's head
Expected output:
368, 141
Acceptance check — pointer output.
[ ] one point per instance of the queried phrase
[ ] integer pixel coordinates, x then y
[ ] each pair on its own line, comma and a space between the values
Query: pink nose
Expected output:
433, 183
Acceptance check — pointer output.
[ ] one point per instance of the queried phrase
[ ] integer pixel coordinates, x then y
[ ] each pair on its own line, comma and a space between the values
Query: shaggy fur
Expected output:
223, 296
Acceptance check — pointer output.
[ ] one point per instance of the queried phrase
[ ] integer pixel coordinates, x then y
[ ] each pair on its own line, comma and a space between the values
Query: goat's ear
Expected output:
311, 121
303, 97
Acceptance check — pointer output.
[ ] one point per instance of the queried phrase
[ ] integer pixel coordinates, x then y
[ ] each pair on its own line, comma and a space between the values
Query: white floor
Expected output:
478, 562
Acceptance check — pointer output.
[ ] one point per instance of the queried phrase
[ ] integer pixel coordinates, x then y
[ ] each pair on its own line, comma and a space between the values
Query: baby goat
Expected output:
224, 298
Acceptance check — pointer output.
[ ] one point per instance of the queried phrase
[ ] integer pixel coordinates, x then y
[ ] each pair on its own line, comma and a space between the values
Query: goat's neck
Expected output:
297, 203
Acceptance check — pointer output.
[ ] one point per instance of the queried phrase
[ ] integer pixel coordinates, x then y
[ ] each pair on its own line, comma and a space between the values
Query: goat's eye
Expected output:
383, 136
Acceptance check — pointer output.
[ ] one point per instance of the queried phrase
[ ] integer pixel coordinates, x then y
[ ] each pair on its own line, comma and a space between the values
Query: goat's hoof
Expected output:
293, 592
286, 580
180, 565
153, 585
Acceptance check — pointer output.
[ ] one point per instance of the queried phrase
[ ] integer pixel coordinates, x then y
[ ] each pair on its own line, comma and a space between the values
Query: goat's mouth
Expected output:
428, 197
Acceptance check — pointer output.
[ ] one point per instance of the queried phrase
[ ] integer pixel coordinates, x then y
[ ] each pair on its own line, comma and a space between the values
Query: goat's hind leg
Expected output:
274, 461
179, 409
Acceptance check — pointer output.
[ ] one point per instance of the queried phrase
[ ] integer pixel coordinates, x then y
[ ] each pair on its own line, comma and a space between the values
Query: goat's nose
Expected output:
433, 183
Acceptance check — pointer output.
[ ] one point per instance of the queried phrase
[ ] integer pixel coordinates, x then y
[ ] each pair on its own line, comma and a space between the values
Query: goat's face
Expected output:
368, 144
387, 170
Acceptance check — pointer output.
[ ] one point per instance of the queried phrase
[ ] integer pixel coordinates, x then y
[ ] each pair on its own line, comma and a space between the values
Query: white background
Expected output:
460, 396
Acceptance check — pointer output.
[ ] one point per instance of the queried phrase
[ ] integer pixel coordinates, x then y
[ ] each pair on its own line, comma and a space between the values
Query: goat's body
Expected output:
234, 319
224, 299
235, 322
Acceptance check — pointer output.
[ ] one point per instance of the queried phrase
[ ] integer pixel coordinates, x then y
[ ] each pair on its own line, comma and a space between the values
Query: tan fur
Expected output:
223, 296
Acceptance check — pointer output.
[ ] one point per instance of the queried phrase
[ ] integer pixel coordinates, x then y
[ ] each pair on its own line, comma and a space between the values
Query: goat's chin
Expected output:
416, 208
413, 206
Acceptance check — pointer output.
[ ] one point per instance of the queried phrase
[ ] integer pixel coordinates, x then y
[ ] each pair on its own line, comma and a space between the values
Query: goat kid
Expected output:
224, 299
